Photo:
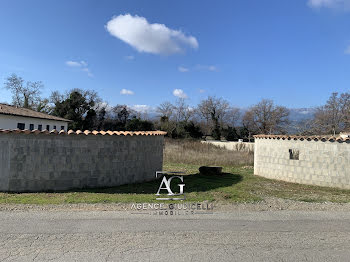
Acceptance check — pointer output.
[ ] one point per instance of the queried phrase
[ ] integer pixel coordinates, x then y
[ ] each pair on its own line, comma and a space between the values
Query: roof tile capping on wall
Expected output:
51, 160
313, 160
86, 132
308, 138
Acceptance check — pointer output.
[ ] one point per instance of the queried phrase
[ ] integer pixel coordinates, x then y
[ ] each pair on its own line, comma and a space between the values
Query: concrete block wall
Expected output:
40, 162
322, 163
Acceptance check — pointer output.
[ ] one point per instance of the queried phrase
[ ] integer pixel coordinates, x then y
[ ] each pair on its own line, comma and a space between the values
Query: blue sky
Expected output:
294, 52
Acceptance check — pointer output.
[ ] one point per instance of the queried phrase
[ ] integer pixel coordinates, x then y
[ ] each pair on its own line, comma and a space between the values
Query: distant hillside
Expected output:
299, 114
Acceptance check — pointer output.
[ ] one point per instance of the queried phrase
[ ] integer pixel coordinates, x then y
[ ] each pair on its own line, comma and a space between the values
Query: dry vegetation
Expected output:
194, 152
243, 147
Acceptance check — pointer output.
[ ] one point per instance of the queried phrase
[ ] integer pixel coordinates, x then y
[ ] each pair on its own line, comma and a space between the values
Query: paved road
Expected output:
121, 236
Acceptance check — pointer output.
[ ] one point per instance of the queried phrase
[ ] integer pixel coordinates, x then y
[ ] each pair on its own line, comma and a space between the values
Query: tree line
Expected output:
211, 117
84, 107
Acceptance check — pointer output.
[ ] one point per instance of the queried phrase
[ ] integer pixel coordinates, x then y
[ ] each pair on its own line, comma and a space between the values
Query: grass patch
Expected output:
306, 193
236, 185
227, 187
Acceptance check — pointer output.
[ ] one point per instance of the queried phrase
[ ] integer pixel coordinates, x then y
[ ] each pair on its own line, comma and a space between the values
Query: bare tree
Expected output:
56, 97
213, 107
166, 109
24, 95
334, 116
232, 117
266, 118
213, 110
183, 112
345, 106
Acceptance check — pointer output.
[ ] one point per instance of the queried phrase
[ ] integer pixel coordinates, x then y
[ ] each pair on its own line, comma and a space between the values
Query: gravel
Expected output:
269, 204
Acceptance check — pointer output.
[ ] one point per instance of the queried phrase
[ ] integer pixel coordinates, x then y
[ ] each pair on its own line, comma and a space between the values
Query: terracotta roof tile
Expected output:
25, 112
86, 132
308, 138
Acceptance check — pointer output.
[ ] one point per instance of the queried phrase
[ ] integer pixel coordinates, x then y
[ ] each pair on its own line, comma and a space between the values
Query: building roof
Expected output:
308, 138
25, 112
86, 132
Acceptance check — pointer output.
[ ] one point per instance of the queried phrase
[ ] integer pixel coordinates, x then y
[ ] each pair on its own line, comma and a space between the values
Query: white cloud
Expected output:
347, 50
198, 67
129, 57
141, 108
149, 38
207, 68
83, 63
201, 91
73, 64
183, 69
87, 70
126, 92
336, 4
179, 93
80, 64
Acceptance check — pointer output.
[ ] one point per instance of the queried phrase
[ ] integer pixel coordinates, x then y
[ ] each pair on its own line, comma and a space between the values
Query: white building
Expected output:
12, 117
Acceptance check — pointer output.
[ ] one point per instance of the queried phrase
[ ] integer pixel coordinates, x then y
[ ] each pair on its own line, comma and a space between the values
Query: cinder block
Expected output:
319, 162
63, 162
